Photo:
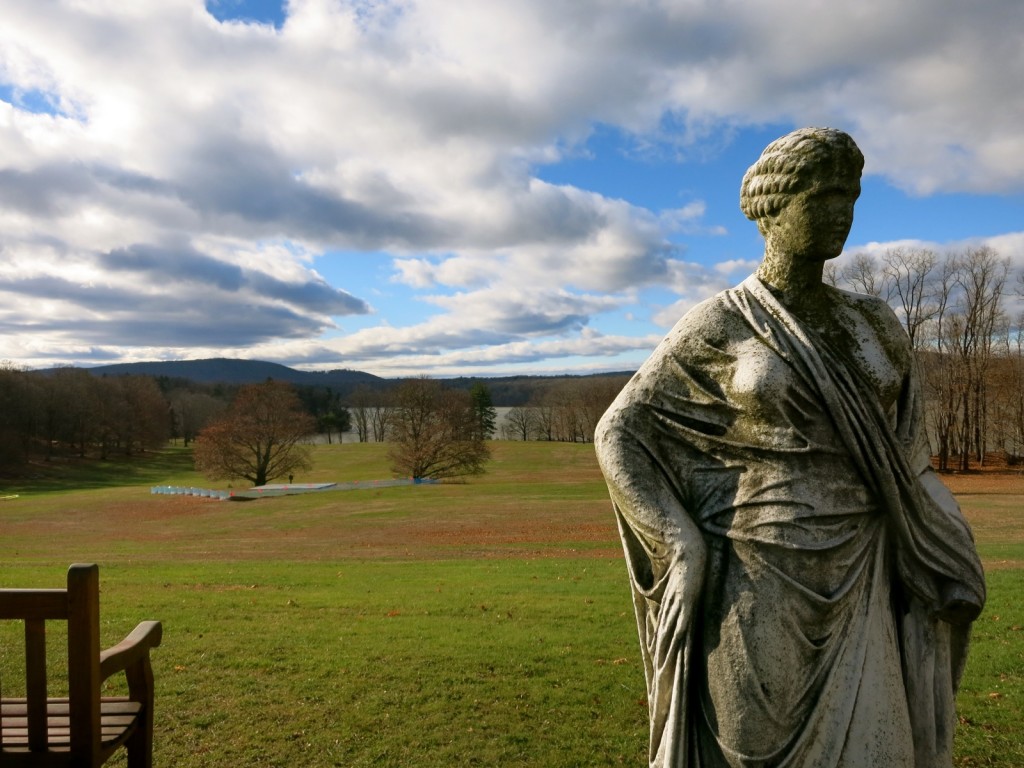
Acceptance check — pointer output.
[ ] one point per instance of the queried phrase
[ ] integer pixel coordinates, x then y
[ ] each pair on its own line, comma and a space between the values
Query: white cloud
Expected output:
1009, 245
403, 353
244, 153
693, 283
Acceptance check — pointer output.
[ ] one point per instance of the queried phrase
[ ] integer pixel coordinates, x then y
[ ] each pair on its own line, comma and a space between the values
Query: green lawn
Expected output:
480, 623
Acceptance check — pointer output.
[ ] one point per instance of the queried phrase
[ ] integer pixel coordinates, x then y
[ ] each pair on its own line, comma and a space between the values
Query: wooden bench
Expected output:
85, 728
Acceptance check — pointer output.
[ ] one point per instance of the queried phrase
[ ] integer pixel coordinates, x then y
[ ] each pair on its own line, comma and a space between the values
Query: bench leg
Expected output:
140, 687
140, 746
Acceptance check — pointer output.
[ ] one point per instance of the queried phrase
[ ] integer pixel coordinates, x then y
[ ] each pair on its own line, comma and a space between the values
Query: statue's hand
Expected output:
958, 606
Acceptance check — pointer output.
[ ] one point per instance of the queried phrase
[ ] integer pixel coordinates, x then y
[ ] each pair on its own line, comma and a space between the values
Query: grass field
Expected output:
484, 623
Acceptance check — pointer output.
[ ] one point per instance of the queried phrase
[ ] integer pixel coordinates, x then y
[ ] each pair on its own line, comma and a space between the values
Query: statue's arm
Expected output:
663, 542
912, 432
666, 556
959, 605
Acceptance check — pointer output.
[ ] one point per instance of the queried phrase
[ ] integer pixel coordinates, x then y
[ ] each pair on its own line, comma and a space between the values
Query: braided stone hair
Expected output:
788, 165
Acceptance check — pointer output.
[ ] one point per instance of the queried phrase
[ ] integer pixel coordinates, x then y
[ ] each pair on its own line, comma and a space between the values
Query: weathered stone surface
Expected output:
803, 584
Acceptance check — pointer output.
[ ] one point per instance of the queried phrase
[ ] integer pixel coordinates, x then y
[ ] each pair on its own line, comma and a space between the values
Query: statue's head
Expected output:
795, 164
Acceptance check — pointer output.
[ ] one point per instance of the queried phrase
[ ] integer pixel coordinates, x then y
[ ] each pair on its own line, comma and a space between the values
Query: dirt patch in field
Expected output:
427, 522
985, 481
993, 503
350, 524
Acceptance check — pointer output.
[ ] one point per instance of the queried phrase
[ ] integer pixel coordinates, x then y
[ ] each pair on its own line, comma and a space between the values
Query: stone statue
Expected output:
804, 585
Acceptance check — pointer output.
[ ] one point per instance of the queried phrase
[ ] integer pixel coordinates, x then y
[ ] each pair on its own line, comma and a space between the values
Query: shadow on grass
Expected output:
75, 474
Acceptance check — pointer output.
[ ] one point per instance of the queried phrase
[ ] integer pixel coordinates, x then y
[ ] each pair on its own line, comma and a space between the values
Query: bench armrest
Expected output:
132, 649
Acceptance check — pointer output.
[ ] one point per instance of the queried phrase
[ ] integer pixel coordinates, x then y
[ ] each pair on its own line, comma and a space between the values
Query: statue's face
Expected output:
815, 223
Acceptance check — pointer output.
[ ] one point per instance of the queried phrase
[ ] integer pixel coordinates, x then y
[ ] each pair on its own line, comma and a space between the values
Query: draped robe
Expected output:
803, 584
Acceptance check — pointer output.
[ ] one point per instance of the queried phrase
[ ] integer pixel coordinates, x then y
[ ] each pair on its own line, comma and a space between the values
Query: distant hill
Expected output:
505, 390
521, 389
222, 370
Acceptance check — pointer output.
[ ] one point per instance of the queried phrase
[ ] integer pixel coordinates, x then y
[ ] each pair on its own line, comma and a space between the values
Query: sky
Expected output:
410, 187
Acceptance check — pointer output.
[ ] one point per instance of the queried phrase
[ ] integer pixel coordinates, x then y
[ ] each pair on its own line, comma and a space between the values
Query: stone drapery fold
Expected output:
710, 536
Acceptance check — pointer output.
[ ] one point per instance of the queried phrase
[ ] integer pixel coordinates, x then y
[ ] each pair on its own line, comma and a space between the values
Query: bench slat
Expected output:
83, 728
117, 718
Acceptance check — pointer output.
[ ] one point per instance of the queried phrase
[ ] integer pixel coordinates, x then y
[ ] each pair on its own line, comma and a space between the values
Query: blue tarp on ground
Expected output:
284, 489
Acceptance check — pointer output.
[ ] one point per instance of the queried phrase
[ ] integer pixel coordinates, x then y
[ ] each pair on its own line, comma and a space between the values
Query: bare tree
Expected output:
863, 275
193, 411
909, 276
982, 276
18, 408
435, 432
544, 417
967, 320
520, 423
1016, 355
565, 414
262, 436
382, 415
74, 394
1005, 390
594, 396
1015, 388
51, 405
569, 409
146, 419
70, 411
371, 413
109, 408
943, 369
360, 405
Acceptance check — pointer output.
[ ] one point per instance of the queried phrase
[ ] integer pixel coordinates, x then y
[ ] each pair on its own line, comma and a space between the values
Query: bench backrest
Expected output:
78, 605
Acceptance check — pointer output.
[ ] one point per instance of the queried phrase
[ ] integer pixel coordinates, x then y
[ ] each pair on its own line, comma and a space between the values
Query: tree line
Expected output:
71, 412
962, 313
433, 431
564, 409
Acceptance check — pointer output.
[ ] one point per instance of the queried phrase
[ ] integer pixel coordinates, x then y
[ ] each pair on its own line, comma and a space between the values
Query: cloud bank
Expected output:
175, 186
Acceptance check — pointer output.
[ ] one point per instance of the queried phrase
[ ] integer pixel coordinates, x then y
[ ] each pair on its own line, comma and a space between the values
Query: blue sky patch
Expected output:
259, 11
33, 100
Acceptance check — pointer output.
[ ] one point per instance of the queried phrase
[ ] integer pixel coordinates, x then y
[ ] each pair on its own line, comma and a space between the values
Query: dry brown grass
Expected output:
993, 503
546, 501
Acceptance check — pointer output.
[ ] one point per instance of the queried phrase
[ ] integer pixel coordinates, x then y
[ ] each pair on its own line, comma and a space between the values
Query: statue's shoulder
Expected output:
712, 323
861, 300
875, 309
888, 330
694, 350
